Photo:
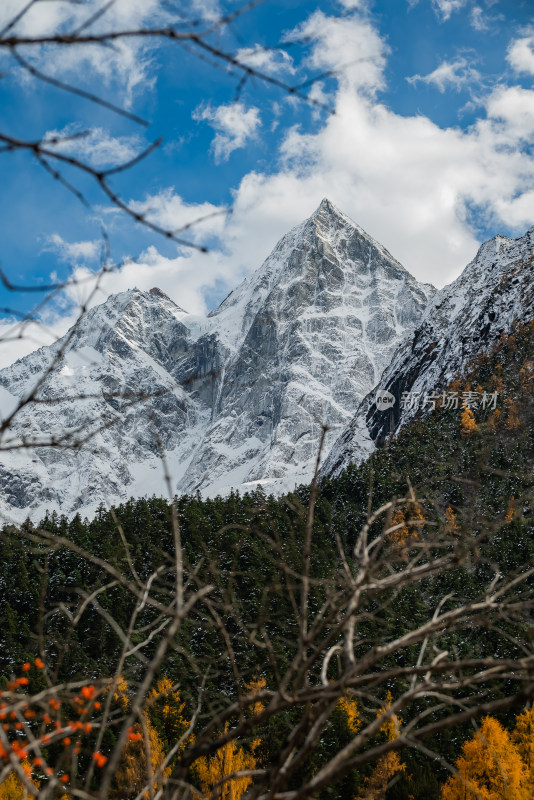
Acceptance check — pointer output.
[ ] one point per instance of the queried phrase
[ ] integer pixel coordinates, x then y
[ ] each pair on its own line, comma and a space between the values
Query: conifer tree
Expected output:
490, 768
12, 788
523, 737
467, 422
230, 758
389, 764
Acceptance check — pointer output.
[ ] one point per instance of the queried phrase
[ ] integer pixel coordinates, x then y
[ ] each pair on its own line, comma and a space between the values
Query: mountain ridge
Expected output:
463, 319
233, 399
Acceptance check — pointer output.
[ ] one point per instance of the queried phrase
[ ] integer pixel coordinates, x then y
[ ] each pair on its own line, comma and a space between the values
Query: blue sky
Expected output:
429, 149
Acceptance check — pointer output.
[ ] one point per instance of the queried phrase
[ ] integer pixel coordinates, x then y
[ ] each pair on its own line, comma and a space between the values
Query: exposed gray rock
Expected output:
462, 320
231, 400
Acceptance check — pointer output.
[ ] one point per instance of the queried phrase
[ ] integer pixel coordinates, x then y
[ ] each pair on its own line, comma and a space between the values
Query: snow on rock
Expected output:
461, 321
233, 400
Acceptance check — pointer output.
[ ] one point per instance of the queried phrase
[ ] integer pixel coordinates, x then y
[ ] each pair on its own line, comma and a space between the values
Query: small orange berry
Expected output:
97, 706
66, 741
100, 759
26, 666
64, 778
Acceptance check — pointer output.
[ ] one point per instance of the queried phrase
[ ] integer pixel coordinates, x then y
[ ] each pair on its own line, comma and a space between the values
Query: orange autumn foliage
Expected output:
228, 759
467, 422
523, 738
350, 708
388, 765
409, 529
139, 760
451, 525
132, 774
512, 420
490, 768
12, 787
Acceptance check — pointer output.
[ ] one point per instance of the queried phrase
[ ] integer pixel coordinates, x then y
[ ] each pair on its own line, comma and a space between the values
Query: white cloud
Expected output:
234, 125
349, 47
18, 338
455, 74
269, 61
200, 222
407, 181
520, 54
351, 5
125, 64
445, 8
95, 145
479, 20
74, 251
512, 109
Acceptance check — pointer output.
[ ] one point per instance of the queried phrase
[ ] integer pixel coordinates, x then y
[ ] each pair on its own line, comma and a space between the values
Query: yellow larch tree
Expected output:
165, 710
415, 519
523, 738
401, 534
490, 768
467, 422
375, 786
349, 707
132, 775
230, 758
211, 771
140, 759
451, 525
12, 788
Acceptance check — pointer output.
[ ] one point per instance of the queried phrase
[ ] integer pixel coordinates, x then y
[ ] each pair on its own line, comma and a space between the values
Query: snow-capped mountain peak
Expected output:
233, 399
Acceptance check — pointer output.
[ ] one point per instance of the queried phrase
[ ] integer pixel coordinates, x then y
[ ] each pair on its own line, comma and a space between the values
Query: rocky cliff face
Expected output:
461, 321
231, 400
